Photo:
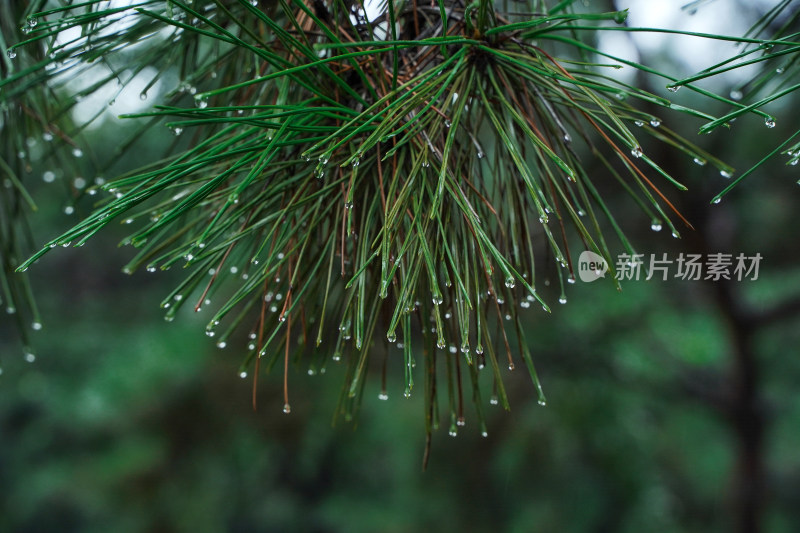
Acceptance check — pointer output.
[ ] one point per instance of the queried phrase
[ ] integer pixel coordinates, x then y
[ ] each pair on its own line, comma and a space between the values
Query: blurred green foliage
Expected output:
127, 423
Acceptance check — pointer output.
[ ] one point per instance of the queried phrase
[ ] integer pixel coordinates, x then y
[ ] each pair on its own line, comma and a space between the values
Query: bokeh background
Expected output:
673, 406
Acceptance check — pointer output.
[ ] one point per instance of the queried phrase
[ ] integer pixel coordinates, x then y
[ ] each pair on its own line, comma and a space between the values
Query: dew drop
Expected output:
542, 403
177, 130
49, 176
143, 96
32, 22
242, 374
221, 344
407, 393
673, 88
481, 155
717, 200
493, 400
287, 408
484, 434
636, 152
562, 300
725, 174
570, 280
656, 225
769, 122
11, 53
47, 136
383, 396
441, 344
461, 421
465, 347
655, 122
36, 326
639, 123
511, 366
699, 161
736, 94
30, 357
447, 123
77, 152
391, 337
510, 282
567, 138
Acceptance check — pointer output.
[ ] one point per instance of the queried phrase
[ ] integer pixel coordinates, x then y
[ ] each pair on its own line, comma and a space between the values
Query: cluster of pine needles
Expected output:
359, 176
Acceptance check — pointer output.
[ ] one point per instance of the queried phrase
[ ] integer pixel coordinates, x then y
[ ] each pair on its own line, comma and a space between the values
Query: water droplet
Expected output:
383, 396
481, 155
447, 123
655, 122
210, 332
779, 70
461, 421
493, 400
510, 282
11, 310
769, 122
391, 337
699, 161
30, 357
32, 22
636, 152
717, 200
673, 88
177, 130
11, 53
77, 152
570, 280
562, 300
287, 408
47, 136
567, 138
675, 235
49, 176
356, 161
639, 123
348, 205
441, 344
221, 344
407, 393
736, 94
656, 225
725, 174
453, 433
36, 326
511, 366
202, 103
79, 183
437, 299
525, 304
542, 403
484, 434
143, 95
